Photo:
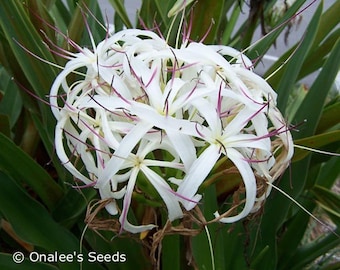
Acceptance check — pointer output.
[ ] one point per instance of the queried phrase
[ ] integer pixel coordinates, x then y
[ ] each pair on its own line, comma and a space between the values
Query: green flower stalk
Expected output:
140, 108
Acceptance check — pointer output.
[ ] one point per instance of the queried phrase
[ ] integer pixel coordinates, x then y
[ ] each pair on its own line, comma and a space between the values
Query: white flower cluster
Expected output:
135, 113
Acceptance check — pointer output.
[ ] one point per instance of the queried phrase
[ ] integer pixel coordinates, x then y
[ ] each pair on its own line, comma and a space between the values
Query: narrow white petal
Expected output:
254, 81
165, 191
148, 114
246, 140
107, 103
70, 67
226, 50
286, 137
126, 145
184, 147
197, 174
126, 225
238, 123
209, 112
59, 146
106, 193
249, 183
137, 229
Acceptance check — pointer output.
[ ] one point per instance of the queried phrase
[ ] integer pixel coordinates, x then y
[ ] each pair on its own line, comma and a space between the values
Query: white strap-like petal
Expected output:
249, 183
197, 174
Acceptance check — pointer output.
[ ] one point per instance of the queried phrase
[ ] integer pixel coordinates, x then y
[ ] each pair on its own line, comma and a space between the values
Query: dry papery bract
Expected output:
190, 225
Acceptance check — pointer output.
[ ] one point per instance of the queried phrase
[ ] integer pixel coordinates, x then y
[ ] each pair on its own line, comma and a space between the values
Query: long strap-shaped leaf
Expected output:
24, 169
18, 28
30, 220
292, 69
34, 225
120, 10
312, 105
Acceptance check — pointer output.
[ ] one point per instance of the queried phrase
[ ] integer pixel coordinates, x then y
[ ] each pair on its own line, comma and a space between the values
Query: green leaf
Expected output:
147, 7
207, 16
178, 6
120, 10
200, 243
314, 142
24, 169
31, 221
72, 206
6, 262
325, 38
46, 135
236, 236
76, 26
11, 103
329, 118
159, 9
5, 127
107, 242
86, 21
40, 17
62, 15
276, 211
328, 22
329, 201
230, 25
316, 58
162, 9
171, 253
293, 67
296, 227
17, 27
261, 46
294, 101
327, 175
19, 37
260, 256
308, 253
312, 105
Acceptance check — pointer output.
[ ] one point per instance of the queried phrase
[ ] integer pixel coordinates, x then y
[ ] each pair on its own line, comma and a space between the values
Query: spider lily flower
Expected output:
140, 109
139, 163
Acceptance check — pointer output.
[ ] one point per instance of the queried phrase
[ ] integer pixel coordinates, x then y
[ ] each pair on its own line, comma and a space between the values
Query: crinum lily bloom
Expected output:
141, 110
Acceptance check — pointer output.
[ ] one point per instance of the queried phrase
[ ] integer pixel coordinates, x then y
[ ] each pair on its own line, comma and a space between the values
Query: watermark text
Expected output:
59, 257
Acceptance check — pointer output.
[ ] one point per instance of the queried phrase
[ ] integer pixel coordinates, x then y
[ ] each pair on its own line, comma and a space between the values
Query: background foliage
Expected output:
39, 210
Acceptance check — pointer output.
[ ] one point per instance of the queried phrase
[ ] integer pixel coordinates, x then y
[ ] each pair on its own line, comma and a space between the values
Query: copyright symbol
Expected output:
18, 257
